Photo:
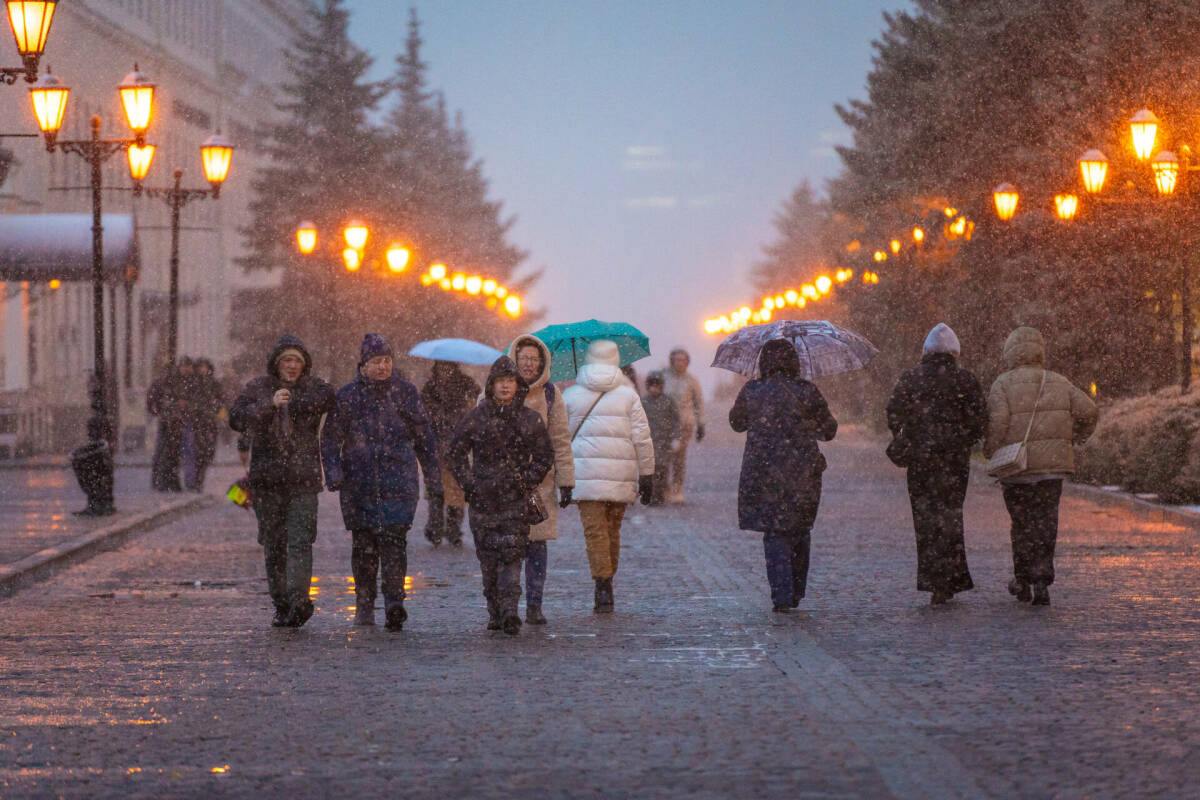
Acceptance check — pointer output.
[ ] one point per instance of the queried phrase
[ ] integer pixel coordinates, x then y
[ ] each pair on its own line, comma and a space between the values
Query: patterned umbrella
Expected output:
823, 348
568, 344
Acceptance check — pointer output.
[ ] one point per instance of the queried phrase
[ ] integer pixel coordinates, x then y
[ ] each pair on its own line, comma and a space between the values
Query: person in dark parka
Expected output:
163, 400
204, 402
665, 430
370, 446
447, 395
500, 452
936, 414
780, 487
281, 412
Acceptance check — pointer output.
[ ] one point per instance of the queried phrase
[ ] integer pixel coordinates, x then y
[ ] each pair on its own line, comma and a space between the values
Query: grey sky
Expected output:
643, 146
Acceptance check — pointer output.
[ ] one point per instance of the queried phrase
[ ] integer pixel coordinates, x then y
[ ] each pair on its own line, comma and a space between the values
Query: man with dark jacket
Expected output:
937, 413
500, 452
370, 446
281, 412
164, 400
447, 395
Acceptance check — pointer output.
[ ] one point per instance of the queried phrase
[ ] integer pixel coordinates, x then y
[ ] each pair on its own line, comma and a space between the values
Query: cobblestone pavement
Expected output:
152, 671
36, 505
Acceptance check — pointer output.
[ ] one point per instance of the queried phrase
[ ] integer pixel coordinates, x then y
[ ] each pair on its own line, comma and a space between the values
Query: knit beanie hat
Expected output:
373, 345
941, 340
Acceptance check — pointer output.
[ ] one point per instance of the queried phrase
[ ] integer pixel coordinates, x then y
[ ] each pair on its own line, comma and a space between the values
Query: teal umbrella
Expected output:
568, 344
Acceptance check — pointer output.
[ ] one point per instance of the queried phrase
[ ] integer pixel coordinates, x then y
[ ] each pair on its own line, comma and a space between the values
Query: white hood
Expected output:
601, 377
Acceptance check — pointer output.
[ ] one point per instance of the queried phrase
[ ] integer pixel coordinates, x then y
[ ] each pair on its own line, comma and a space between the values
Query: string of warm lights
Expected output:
397, 257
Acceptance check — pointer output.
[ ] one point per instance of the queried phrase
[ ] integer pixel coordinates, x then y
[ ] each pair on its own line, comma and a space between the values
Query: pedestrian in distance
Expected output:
532, 358
684, 389
614, 459
164, 400
447, 396
500, 453
1031, 404
281, 412
664, 430
204, 402
936, 415
779, 490
371, 445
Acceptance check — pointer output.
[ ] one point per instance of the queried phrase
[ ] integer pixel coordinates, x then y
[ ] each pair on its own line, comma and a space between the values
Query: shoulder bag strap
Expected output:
585, 416
1033, 413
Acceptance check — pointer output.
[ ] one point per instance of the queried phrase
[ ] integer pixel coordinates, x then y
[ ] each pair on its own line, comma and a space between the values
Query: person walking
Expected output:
664, 430
370, 446
532, 358
281, 412
1043, 409
163, 400
614, 459
684, 389
779, 489
447, 396
204, 403
936, 415
500, 453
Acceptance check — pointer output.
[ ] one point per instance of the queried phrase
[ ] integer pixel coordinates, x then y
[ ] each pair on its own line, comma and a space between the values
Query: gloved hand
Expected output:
564, 496
699, 433
335, 486
468, 493
645, 488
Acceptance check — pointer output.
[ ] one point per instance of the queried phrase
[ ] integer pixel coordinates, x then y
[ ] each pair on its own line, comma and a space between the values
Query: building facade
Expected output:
217, 65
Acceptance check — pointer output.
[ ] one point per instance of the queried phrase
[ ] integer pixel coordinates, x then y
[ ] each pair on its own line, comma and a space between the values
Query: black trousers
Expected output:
1034, 511
287, 528
164, 473
936, 490
381, 552
787, 565
501, 548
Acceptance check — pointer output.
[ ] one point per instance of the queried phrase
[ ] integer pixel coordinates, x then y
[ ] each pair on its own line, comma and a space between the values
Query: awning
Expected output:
42, 247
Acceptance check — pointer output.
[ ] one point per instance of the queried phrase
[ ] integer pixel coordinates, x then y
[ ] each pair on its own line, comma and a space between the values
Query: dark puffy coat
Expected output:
446, 403
938, 409
499, 453
663, 417
284, 452
370, 446
782, 465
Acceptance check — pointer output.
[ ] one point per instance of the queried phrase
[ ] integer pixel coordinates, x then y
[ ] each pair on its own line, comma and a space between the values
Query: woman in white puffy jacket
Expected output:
614, 458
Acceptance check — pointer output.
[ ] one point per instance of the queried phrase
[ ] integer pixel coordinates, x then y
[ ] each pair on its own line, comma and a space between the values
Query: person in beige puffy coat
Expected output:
1065, 417
532, 358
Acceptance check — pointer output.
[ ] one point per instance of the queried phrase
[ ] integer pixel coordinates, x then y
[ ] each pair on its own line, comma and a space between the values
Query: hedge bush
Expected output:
1147, 444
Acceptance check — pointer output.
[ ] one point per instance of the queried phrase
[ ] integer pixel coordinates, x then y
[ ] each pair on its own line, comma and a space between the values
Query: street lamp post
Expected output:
49, 99
216, 156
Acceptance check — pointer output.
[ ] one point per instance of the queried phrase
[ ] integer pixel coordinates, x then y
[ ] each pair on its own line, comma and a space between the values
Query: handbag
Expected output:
535, 511
1013, 459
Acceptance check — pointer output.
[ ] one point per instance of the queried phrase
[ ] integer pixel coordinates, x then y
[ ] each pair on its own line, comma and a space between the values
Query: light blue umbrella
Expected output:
462, 351
568, 344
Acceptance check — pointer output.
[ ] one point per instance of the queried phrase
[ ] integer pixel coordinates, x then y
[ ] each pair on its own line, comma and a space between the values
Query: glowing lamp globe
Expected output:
1006, 197
139, 161
352, 258
397, 258
1144, 128
1093, 167
306, 237
216, 154
355, 234
1066, 206
49, 99
137, 98
1166, 172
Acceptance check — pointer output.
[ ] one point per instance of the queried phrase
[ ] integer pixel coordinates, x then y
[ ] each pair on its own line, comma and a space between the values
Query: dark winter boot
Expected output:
940, 598
604, 596
454, 520
364, 614
1041, 594
282, 613
1020, 590
301, 613
436, 523
511, 624
533, 614
493, 616
396, 615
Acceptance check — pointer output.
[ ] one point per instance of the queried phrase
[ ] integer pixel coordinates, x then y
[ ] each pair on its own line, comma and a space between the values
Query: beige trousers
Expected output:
602, 532
678, 462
